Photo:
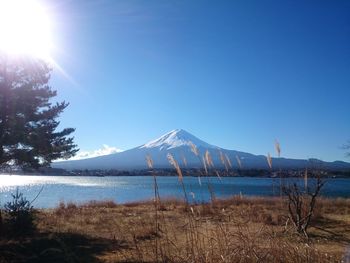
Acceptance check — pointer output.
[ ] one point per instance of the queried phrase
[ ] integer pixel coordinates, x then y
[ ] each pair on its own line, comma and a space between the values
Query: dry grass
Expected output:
231, 230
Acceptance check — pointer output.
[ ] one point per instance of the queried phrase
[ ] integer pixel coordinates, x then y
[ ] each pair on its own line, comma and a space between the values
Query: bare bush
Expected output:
301, 204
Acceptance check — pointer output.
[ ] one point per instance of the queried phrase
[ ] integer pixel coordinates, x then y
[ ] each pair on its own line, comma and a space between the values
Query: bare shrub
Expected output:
301, 205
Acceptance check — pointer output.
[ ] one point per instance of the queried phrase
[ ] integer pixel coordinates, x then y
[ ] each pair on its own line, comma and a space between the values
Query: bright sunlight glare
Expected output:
25, 28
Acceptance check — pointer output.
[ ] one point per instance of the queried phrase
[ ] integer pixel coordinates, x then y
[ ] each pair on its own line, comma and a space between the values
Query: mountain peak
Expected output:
176, 138
177, 142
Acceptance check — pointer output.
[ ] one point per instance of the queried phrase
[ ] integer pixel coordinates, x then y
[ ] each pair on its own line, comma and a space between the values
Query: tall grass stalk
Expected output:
175, 164
269, 163
156, 202
269, 160
239, 162
184, 160
223, 160
210, 165
278, 151
278, 148
195, 151
191, 234
228, 161
305, 180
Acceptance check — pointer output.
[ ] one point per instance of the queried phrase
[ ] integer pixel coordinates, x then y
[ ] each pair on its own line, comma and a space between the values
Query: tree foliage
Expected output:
19, 214
28, 120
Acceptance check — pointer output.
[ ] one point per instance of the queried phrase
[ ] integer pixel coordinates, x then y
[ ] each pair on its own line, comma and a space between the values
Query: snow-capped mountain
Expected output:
178, 143
176, 138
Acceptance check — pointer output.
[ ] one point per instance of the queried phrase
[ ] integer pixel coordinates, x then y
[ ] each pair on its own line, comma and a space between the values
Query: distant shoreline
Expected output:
262, 173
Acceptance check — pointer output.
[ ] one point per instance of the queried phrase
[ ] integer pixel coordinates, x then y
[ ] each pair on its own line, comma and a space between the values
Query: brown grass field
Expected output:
232, 230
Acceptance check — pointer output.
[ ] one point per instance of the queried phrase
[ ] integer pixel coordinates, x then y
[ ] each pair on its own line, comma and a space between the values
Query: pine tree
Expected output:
28, 125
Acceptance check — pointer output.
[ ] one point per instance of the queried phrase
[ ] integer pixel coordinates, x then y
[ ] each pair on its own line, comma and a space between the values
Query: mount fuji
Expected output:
178, 143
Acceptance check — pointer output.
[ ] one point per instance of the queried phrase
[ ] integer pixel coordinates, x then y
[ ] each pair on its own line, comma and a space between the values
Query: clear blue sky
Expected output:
237, 74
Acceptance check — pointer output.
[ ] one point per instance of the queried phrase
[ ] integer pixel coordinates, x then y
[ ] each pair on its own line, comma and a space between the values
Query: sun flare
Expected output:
25, 28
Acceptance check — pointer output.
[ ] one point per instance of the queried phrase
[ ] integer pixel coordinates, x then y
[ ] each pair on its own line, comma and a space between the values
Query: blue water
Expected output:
135, 188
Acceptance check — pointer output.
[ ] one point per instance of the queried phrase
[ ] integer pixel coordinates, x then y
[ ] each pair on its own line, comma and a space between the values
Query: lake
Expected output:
123, 189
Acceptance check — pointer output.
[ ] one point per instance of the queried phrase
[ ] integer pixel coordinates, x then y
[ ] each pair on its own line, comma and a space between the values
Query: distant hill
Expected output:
177, 142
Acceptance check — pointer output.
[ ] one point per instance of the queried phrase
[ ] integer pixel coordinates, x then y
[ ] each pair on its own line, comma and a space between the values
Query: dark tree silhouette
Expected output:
28, 125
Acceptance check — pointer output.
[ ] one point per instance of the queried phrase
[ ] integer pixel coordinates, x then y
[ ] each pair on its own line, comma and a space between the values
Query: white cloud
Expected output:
105, 150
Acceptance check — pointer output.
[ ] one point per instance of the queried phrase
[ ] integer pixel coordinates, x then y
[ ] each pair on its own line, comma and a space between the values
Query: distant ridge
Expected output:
177, 142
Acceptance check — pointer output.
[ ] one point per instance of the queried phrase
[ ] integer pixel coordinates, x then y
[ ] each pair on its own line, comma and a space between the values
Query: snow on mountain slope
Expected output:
177, 142
176, 138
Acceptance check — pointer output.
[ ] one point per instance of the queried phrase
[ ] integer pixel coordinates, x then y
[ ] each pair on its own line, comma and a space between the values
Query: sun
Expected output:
25, 28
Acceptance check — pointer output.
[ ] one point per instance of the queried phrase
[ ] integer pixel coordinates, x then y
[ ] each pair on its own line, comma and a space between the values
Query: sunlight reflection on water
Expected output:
19, 180
135, 188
